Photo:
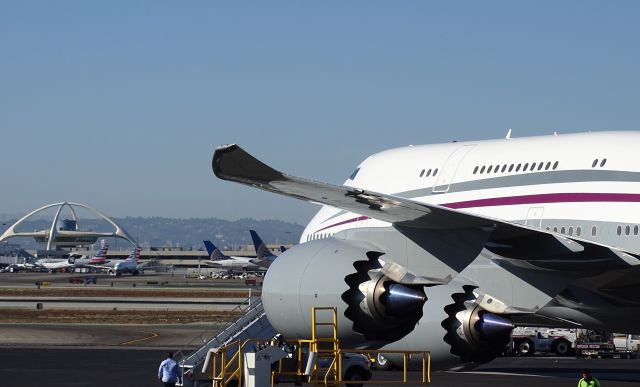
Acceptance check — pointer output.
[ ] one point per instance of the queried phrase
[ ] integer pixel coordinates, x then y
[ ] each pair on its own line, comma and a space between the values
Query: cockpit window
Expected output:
353, 175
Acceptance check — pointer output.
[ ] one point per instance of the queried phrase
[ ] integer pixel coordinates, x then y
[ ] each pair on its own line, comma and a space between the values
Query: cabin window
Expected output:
429, 172
593, 230
578, 231
533, 166
489, 169
518, 167
595, 162
540, 166
562, 230
555, 165
619, 230
510, 167
627, 230
635, 230
435, 172
555, 229
503, 168
570, 230
526, 165
482, 169
546, 168
422, 173
475, 170
603, 162
496, 169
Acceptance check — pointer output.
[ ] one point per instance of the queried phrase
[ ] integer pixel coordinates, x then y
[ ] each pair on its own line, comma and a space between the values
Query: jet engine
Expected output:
373, 310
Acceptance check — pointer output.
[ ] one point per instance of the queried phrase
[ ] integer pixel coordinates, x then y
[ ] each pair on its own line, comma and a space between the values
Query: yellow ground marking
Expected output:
152, 336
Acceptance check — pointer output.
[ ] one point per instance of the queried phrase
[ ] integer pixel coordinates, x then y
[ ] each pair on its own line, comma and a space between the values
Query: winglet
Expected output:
231, 162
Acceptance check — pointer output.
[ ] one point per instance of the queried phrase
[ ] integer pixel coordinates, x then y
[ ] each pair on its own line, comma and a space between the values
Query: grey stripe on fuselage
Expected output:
533, 178
605, 232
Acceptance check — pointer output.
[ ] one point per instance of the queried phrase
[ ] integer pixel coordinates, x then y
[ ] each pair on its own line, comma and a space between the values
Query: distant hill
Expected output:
186, 233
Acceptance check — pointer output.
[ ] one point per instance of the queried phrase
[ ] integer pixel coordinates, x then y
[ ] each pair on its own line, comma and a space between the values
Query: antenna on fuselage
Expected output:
508, 137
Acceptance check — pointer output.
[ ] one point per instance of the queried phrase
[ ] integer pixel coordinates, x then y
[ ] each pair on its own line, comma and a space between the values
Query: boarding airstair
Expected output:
253, 324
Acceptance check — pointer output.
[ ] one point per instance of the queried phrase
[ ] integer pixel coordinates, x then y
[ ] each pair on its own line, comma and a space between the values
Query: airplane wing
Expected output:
511, 243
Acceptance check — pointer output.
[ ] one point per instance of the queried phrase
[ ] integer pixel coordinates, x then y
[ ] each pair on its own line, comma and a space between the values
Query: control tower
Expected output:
66, 232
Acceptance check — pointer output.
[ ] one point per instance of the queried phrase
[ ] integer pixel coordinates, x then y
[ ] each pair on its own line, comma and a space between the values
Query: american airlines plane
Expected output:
447, 247
74, 260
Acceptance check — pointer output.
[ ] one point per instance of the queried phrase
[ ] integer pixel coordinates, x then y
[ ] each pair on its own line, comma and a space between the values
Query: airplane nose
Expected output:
400, 299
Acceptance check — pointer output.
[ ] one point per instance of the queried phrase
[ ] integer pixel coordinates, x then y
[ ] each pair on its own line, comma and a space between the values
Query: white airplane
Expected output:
218, 259
446, 247
74, 260
116, 267
128, 265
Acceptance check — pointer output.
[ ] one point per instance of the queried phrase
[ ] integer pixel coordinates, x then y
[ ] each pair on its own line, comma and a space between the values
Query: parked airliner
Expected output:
117, 267
264, 256
446, 247
218, 259
74, 260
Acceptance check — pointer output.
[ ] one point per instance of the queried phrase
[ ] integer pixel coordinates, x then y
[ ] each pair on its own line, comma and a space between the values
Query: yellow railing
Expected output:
328, 348
296, 366
425, 357
225, 370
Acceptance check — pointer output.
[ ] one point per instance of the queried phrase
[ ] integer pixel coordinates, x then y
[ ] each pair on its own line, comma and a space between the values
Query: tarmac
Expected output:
107, 367
68, 355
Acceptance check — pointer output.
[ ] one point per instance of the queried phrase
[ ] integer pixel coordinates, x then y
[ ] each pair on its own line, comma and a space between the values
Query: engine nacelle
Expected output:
373, 310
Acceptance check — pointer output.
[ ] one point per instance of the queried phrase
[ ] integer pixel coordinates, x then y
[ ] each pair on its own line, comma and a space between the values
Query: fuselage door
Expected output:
449, 169
534, 217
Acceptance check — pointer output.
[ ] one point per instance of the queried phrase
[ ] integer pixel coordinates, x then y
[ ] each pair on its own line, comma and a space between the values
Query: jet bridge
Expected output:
253, 324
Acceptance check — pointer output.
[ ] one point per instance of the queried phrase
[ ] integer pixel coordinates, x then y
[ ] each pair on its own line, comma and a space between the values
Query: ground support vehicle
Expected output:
83, 280
355, 367
526, 341
593, 344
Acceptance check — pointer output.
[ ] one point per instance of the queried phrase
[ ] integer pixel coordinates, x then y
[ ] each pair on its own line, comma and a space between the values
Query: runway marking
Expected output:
153, 336
498, 373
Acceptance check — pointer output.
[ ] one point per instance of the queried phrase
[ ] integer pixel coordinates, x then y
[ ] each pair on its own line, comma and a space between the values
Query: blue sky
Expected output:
119, 105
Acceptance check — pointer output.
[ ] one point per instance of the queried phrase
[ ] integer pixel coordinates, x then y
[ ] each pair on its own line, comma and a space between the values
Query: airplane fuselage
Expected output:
243, 263
446, 247
583, 185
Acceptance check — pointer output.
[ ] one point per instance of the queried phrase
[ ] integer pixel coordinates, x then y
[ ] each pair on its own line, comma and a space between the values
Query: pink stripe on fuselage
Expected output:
345, 222
575, 197
546, 198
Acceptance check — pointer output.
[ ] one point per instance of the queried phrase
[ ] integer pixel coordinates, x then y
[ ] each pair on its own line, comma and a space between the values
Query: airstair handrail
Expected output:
228, 333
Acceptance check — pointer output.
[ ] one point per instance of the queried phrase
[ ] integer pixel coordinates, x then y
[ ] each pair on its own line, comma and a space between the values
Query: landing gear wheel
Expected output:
382, 363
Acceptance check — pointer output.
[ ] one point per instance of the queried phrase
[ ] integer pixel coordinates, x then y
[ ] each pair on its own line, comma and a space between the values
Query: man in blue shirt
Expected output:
168, 371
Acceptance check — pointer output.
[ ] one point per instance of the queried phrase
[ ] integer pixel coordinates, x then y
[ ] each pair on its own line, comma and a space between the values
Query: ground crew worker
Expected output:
168, 371
588, 380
